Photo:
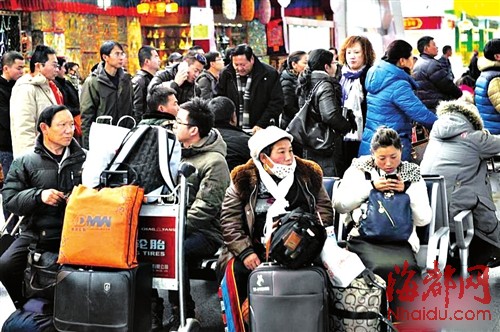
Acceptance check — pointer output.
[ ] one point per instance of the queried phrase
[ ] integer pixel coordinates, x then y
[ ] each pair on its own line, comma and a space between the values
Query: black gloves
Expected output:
352, 120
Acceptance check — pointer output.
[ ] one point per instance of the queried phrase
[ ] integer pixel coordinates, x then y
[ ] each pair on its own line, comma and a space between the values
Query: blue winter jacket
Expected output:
491, 118
392, 102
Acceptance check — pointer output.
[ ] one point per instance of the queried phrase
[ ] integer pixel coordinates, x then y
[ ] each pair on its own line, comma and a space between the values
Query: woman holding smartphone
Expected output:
383, 171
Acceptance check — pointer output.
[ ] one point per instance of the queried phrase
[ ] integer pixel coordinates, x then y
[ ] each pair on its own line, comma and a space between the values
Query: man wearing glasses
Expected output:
107, 90
31, 94
203, 147
182, 76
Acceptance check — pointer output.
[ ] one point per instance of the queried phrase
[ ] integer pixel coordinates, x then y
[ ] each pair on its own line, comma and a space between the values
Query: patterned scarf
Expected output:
244, 98
409, 172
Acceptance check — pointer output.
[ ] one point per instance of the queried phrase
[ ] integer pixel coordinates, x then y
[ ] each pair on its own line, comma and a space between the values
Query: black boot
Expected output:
157, 309
174, 321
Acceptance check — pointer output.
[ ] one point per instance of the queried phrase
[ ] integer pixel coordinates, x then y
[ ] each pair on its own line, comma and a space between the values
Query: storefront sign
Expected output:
423, 23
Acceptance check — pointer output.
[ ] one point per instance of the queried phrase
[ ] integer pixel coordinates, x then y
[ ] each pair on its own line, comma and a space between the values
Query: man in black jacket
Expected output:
182, 76
254, 87
236, 139
12, 69
37, 187
432, 76
149, 60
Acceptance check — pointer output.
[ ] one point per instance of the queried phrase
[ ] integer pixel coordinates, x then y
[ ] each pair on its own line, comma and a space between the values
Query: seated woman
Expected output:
272, 182
384, 171
458, 149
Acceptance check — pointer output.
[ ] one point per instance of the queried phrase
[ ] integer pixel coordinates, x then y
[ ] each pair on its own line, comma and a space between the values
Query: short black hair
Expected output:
40, 55
9, 58
158, 95
446, 48
61, 61
243, 49
210, 57
385, 137
196, 48
200, 115
223, 109
70, 65
423, 42
108, 46
145, 52
48, 114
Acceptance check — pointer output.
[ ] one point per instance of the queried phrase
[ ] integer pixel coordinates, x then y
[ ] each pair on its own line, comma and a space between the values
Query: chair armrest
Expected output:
463, 241
438, 248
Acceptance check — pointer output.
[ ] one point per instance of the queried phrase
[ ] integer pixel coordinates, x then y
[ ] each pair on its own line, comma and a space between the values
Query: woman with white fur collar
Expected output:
458, 149
273, 182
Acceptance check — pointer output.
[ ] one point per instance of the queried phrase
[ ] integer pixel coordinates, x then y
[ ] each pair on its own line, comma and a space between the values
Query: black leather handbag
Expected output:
40, 274
307, 128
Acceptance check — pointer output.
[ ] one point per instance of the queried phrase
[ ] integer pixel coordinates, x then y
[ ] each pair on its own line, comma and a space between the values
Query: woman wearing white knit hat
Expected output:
271, 183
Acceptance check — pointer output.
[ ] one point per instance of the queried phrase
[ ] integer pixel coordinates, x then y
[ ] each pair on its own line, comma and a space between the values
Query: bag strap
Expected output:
165, 155
128, 143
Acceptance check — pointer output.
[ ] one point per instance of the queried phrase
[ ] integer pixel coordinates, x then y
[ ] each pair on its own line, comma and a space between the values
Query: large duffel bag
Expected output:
34, 316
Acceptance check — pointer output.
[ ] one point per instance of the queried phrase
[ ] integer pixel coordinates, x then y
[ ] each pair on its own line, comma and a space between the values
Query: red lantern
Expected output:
247, 10
264, 11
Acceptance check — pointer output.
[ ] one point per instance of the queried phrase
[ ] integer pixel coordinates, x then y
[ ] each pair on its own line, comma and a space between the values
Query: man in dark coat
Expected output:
12, 69
254, 87
432, 77
236, 139
107, 91
149, 60
37, 187
182, 76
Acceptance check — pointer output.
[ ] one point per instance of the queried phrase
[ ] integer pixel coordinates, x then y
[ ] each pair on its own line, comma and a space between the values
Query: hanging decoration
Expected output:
229, 9
247, 10
264, 11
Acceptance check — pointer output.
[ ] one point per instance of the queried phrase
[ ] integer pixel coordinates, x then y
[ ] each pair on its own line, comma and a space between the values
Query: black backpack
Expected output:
299, 239
149, 156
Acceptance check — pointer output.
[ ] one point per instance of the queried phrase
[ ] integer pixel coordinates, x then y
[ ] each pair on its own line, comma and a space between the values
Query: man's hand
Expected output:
53, 197
251, 261
182, 73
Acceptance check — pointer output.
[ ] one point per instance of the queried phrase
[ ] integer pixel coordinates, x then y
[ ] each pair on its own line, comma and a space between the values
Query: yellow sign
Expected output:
478, 8
199, 32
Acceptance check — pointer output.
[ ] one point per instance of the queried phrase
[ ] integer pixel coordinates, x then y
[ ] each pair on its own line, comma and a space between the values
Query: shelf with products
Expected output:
167, 39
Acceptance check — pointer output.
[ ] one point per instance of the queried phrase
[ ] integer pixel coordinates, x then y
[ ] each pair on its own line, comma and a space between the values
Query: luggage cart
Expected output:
161, 241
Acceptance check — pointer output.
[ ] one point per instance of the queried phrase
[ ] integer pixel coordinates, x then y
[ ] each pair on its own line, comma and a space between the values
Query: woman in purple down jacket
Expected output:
391, 100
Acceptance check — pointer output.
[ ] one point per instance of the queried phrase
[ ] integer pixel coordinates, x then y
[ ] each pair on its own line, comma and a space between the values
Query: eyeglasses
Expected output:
179, 122
53, 64
118, 54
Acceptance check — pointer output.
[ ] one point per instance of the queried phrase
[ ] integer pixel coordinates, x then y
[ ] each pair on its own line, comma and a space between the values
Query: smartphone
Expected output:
183, 66
392, 176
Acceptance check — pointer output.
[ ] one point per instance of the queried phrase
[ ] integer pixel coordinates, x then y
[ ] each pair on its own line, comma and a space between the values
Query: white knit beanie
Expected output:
265, 137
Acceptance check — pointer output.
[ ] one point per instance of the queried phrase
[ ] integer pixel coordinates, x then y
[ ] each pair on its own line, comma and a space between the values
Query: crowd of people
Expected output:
230, 112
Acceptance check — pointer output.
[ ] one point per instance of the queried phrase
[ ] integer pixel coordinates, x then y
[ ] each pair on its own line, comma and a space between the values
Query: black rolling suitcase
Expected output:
103, 300
288, 300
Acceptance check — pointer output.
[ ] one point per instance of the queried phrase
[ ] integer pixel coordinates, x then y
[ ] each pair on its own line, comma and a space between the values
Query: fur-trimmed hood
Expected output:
468, 110
245, 177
